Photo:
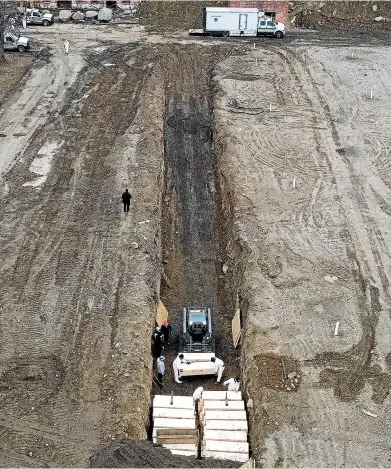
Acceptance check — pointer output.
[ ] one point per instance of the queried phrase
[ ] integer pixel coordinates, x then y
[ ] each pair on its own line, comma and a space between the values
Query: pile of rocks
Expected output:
103, 15
291, 382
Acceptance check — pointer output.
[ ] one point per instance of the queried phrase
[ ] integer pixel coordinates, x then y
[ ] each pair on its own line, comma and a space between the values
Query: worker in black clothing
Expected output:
126, 200
165, 330
157, 343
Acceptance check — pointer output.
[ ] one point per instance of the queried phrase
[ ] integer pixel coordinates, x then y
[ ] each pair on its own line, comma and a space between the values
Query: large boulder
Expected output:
78, 16
91, 14
64, 15
105, 14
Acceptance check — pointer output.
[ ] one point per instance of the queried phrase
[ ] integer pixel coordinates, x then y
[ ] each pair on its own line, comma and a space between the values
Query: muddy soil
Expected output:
77, 297
193, 241
303, 148
13, 72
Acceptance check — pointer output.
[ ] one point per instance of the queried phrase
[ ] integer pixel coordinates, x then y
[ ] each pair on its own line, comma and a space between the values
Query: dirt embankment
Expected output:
349, 16
77, 297
310, 239
174, 16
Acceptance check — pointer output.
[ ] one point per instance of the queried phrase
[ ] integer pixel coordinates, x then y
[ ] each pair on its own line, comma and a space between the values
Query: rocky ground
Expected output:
270, 161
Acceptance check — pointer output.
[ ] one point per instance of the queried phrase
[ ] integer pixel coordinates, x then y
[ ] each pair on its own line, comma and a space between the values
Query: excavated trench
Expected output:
193, 238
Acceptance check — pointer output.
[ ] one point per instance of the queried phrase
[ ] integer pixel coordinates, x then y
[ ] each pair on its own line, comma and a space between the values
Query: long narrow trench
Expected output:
193, 239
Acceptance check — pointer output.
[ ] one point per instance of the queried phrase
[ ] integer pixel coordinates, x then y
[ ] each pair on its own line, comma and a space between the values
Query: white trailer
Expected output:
248, 22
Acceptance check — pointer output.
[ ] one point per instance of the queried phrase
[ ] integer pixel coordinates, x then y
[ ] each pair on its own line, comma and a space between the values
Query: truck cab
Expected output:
268, 27
37, 17
14, 42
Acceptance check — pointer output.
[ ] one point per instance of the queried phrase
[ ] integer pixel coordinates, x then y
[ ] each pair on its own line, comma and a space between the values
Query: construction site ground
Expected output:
271, 161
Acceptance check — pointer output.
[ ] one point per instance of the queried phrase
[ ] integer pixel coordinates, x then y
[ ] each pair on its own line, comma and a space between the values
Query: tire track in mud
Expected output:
355, 367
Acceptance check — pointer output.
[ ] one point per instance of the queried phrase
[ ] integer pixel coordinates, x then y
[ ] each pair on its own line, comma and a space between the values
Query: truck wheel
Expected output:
279, 35
45, 22
21, 48
225, 34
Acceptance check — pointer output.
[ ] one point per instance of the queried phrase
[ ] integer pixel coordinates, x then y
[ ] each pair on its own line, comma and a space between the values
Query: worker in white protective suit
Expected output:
176, 365
197, 394
233, 384
219, 367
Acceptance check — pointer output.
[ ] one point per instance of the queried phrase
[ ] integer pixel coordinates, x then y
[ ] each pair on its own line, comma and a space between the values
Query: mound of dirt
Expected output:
357, 16
174, 16
132, 453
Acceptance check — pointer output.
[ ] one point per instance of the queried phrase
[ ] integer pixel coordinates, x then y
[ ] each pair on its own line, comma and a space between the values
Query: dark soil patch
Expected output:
132, 453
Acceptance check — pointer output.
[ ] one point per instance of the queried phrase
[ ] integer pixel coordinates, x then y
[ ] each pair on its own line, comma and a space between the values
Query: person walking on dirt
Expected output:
176, 364
160, 369
126, 200
66, 46
219, 367
233, 384
166, 330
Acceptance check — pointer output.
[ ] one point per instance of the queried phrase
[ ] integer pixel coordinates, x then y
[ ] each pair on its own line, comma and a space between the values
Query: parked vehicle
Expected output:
14, 42
37, 17
249, 22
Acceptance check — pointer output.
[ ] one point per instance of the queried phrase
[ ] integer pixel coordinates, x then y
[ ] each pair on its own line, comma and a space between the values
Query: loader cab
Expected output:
197, 324
197, 330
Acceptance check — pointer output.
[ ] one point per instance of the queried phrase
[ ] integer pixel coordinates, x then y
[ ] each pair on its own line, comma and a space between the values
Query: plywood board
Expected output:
183, 453
220, 395
161, 313
178, 440
239, 457
172, 413
222, 405
174, 423
227, 446
221, 415
182, 447
225, 435
197, 368
178, 402
226, 425
236, 328
174, 431
198, 357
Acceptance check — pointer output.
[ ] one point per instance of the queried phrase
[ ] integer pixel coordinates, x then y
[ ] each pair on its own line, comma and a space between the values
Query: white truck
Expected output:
14, 42
249, 22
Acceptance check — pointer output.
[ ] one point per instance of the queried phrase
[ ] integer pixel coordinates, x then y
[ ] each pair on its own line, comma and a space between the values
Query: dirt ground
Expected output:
272, 161
304, 151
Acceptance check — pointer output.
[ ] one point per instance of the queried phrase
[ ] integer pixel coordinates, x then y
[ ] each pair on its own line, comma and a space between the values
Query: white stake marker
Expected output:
254, 45
336, 328
371, 94
294, 183
270, 107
